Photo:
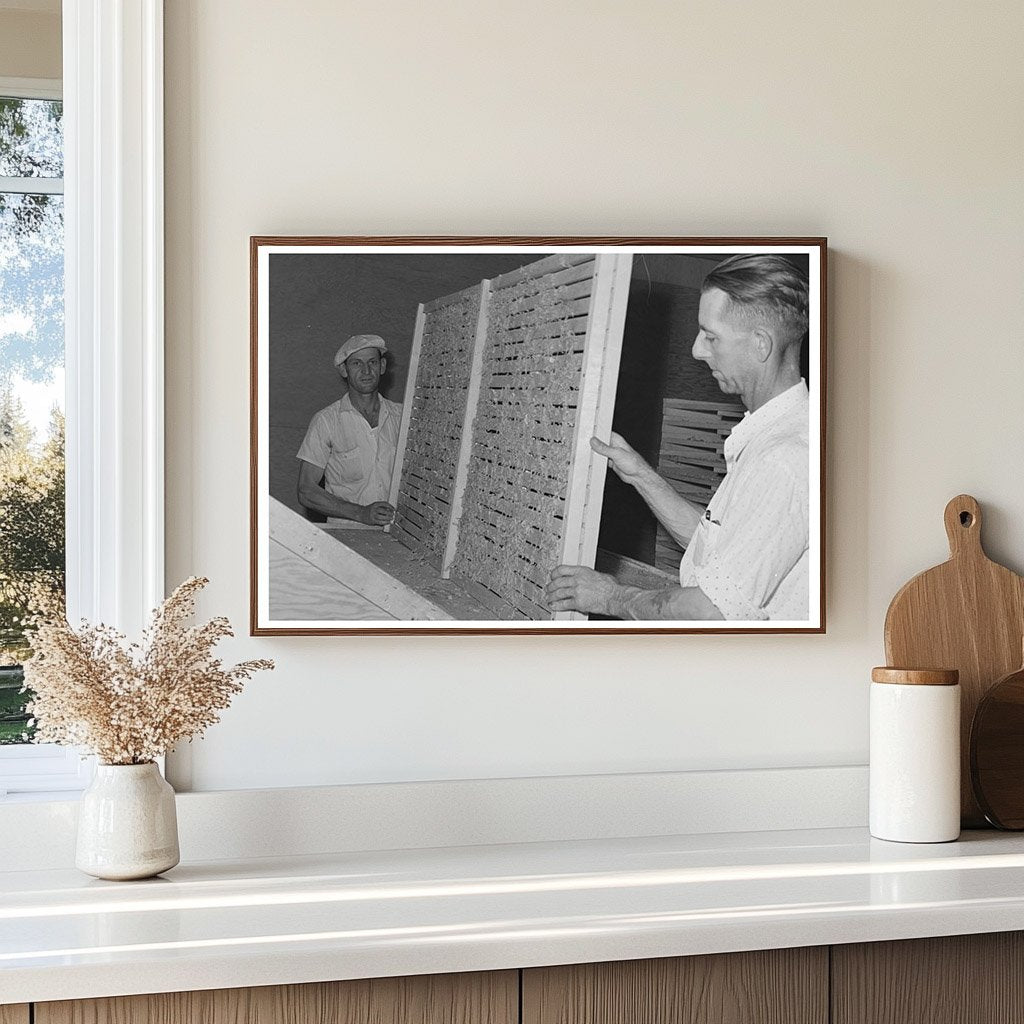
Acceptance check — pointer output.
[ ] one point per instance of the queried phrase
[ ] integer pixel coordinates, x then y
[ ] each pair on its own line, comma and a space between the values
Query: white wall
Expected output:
895, 129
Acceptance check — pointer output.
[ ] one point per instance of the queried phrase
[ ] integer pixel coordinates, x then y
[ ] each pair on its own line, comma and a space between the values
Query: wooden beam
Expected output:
333, 557
585, 493
466, 444
410, 388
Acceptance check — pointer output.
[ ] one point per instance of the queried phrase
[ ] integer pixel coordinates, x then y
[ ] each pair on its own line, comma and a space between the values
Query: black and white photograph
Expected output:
537, 435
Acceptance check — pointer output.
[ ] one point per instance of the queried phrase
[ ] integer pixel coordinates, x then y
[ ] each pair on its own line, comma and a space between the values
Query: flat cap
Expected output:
357, 343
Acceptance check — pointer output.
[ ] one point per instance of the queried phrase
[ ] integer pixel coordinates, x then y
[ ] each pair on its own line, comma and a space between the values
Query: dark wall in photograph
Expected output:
317, 300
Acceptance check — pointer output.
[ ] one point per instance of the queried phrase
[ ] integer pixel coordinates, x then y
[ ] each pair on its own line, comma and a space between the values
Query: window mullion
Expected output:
32, 186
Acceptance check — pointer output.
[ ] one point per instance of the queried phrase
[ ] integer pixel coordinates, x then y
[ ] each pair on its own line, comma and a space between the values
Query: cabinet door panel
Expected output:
14, 1014
959, 979
779, 986
481, 998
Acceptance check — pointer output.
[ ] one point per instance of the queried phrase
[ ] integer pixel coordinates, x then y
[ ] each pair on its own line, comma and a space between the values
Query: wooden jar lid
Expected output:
916, 676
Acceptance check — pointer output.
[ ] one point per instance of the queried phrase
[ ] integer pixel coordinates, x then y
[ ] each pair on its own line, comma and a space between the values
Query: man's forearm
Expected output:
316, 499
671, 603
677, 514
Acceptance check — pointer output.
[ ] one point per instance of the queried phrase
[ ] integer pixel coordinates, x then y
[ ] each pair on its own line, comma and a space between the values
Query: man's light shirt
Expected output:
750, 552
357, 459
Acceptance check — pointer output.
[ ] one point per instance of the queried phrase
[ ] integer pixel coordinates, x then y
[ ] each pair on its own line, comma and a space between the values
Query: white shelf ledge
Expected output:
353, 915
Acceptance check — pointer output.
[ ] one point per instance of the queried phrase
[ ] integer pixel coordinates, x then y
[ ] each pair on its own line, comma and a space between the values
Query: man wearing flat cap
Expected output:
351, 444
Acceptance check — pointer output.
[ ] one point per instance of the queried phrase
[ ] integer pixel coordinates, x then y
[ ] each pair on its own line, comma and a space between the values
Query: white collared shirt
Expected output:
357, 459
749, 553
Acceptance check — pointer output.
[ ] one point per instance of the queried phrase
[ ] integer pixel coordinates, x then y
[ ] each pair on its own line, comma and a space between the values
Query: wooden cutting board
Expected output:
967, 614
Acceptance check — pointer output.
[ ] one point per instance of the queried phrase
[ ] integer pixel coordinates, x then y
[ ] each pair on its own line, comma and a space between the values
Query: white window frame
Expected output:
114, 345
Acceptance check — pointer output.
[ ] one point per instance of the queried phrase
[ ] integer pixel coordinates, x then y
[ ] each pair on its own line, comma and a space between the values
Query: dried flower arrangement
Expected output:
129, 704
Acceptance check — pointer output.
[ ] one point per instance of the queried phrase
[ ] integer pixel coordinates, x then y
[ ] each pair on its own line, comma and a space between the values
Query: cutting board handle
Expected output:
963, 526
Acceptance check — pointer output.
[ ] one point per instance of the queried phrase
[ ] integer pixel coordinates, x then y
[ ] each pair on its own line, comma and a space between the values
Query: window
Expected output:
31, 380
32, 534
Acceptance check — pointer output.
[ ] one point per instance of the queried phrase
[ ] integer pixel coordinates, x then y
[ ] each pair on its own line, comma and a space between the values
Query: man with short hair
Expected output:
746, 555
351, 445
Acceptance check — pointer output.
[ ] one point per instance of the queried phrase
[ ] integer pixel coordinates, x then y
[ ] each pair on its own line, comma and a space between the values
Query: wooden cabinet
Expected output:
481, 998
777, 986
961, 979
967, 979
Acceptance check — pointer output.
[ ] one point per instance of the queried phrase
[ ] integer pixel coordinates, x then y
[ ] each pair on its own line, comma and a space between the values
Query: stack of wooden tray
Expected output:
692, 458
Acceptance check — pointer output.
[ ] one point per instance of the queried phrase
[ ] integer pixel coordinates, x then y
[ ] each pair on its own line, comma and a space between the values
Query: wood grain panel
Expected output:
14, 1014
961, 979
480, 998
967, 614
779, 986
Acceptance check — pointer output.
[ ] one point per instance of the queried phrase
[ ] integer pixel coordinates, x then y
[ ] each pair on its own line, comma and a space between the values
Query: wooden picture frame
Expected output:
507, 356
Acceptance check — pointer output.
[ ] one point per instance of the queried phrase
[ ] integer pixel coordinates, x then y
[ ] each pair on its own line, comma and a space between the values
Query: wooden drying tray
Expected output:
387, 577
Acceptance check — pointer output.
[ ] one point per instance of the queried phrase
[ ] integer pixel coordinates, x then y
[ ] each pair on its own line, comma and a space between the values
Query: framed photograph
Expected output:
537, 435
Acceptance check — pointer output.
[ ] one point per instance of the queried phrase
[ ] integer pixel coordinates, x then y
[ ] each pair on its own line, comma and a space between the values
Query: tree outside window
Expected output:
32, 541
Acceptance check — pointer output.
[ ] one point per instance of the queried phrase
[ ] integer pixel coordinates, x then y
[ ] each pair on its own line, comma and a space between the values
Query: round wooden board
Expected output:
997, 752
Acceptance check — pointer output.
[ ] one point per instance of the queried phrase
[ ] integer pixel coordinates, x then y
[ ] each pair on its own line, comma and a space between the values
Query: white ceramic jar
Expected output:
915, 755
127, 823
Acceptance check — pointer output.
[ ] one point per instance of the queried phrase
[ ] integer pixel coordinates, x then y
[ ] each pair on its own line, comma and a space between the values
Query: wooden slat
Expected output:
466, 440
447, 300
961, 979
692, 436
479, 998
685, 418
779, 986
551, 330
596, 406
14, 1014
689, 434
631, 573
407, 406
543, 297
691, 474
688, 453
548, 265
734, 408
405, 532
507, 607
550, 314
538, 362
579, 272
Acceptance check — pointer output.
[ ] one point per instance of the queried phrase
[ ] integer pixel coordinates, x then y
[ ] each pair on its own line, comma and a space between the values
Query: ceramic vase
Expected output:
127, 825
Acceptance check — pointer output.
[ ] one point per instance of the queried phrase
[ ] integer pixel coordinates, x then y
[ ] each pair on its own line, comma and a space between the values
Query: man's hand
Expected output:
575, 588
380, 513
629, 466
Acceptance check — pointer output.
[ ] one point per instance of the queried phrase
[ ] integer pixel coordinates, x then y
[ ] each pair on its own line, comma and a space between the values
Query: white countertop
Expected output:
223, 924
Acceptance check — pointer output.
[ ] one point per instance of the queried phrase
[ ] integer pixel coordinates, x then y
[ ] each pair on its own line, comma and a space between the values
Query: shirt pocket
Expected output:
345, 467
706, 537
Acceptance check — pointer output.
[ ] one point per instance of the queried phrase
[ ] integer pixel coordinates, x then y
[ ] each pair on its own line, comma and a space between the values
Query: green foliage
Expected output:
31, 517
31, 543
14, 727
